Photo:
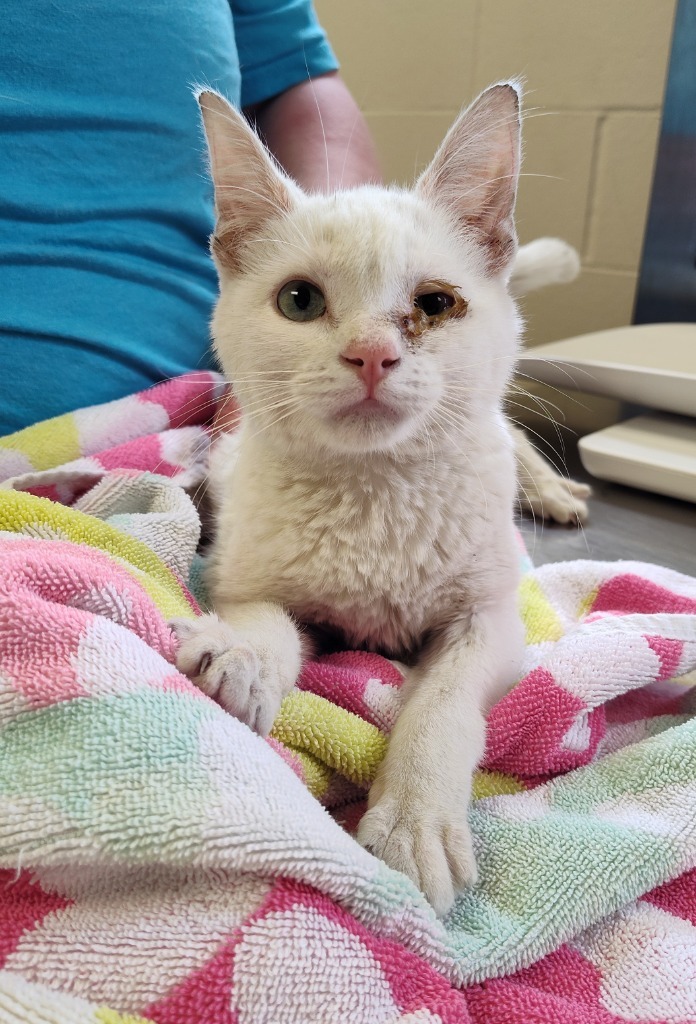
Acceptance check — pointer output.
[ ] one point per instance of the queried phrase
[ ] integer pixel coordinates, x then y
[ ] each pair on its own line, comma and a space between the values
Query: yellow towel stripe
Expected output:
106, 1016
337, 737
537, 613
585, 606
317, 775
47, 444
38, 517
494, 784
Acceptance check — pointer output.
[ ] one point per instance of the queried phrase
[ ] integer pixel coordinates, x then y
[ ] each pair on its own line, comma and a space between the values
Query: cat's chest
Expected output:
377, 550
381, 591
375, 559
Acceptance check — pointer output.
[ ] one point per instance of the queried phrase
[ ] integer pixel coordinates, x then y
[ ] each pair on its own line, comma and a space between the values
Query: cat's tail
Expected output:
541, 262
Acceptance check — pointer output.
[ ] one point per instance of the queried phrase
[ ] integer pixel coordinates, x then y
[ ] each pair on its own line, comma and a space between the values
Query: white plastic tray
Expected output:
649, 364
655, 453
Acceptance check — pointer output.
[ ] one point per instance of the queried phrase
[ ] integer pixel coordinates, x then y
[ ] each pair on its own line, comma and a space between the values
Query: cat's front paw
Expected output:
228, 669
429, 843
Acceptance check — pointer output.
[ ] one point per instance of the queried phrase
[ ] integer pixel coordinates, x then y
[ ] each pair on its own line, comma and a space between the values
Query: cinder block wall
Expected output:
594, 73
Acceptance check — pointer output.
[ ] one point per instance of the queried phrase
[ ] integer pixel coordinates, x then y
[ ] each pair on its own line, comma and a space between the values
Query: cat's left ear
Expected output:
250, 187
475, 171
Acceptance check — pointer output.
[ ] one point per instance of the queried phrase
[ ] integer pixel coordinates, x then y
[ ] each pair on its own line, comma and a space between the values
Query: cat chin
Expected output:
359, 430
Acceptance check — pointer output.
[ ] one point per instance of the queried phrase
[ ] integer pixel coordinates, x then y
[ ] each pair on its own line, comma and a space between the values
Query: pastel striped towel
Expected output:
159, 862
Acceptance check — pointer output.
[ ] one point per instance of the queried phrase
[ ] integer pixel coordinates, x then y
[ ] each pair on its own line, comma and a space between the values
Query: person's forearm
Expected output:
317, 133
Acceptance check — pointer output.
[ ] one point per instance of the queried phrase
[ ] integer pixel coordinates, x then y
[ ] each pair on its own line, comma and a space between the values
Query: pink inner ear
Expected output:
475, 171
249, 187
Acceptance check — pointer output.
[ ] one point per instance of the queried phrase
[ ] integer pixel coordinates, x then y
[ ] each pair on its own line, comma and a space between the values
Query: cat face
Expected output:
372, 318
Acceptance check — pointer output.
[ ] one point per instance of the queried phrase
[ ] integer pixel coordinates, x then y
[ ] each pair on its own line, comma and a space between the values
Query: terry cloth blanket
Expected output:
160, 862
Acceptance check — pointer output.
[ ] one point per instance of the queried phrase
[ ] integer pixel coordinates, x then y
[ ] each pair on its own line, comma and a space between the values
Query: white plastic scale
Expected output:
651, 365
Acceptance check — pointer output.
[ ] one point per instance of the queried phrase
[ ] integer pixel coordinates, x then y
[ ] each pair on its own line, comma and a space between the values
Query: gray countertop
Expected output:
624, 524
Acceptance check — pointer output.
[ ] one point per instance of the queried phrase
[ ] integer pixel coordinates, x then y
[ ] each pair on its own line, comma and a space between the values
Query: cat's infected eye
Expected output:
434, 303
301, 301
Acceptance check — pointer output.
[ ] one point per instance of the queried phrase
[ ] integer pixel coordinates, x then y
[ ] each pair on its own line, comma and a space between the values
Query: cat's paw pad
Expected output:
434, 850
228, 669
564, 501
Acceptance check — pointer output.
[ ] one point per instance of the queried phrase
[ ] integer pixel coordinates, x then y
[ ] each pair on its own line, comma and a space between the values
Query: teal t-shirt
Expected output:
106, 285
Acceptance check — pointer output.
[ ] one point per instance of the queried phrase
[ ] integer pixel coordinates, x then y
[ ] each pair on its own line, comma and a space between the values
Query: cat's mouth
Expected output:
368, 408
370, 423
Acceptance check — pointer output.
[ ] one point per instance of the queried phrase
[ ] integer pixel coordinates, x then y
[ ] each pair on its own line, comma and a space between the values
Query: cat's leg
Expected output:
247, 658
417, 816
544, 492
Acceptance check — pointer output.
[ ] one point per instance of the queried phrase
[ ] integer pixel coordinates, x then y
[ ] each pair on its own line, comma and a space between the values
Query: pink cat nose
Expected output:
372, 362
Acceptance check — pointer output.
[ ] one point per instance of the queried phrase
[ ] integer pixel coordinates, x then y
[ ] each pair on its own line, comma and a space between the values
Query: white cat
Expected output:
370, 336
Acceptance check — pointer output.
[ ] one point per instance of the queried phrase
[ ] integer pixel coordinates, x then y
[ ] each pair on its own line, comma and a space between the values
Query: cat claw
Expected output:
227, 669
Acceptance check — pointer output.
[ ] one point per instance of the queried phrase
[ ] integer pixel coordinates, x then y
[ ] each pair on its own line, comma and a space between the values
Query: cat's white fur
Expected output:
543, 262
541, 490
391, 525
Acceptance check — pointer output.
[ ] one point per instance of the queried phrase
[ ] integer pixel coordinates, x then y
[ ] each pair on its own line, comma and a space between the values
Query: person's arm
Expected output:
317, 133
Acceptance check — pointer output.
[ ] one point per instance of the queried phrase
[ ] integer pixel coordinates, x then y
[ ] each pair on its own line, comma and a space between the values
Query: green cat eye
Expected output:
301, 300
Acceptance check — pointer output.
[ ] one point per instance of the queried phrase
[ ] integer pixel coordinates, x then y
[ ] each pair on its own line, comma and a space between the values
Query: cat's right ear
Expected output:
475, 171
249, 186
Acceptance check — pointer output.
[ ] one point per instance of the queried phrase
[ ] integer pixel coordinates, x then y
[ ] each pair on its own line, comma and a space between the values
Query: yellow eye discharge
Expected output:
301, 301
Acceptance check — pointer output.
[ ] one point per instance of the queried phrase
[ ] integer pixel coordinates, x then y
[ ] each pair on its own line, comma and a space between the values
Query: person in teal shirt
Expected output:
106, 283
